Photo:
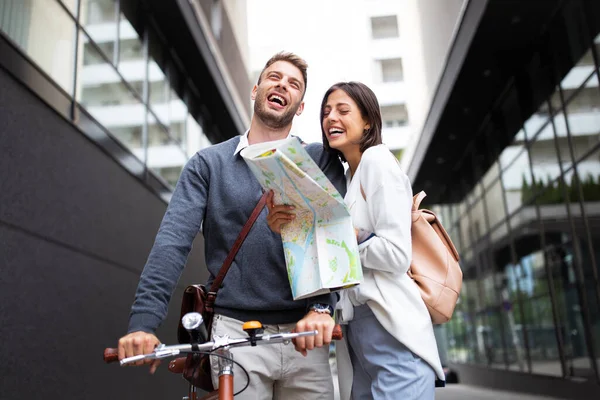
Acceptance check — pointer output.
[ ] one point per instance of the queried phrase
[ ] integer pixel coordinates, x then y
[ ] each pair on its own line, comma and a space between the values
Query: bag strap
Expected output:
417, 199
212, 293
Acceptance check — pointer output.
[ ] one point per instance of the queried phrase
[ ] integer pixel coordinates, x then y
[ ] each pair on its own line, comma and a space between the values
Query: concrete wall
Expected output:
75, 231
431, 25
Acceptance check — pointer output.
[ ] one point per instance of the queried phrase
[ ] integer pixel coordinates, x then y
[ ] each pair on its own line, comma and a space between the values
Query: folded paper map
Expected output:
320, 246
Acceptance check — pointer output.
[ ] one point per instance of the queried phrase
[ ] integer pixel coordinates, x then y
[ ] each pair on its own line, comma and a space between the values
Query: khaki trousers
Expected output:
277, 371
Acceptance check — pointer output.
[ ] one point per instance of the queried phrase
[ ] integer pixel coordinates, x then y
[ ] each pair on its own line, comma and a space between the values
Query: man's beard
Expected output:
273, 121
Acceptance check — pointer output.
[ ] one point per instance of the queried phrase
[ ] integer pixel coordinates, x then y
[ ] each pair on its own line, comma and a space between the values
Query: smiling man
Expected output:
217, 192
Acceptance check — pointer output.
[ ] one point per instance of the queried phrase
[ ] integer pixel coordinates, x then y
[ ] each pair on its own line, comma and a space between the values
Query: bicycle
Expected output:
220, 347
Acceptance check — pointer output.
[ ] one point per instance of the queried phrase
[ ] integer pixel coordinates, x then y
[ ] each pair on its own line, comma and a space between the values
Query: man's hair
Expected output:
368, 105
293, 59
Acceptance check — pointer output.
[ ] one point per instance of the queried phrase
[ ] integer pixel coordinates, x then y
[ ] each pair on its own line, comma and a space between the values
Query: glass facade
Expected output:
93, 53
529, 237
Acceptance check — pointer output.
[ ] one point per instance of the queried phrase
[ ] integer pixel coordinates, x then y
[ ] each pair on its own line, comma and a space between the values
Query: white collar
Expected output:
244, 142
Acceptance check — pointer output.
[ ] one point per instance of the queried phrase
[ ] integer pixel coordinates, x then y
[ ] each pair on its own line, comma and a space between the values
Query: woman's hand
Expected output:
278, 215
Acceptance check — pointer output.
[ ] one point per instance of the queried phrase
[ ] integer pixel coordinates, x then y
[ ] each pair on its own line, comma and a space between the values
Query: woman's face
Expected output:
343, 123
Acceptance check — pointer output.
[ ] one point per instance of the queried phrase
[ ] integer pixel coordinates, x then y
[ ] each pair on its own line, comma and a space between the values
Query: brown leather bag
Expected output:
434, 266
196, 367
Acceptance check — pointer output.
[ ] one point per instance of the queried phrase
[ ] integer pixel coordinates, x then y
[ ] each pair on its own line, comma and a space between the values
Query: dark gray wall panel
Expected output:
59, 310
75, 231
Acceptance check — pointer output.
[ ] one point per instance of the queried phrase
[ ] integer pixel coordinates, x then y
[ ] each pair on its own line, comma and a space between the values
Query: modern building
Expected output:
101, 104
509, 156
341, 40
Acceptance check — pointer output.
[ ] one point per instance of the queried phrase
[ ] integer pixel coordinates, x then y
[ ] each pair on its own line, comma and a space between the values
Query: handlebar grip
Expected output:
337, 332
111, 355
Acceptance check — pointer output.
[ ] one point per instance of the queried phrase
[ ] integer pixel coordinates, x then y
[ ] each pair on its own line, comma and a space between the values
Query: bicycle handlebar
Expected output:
162, 351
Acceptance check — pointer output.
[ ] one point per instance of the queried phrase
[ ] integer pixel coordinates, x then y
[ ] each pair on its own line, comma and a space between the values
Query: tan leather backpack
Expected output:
434, 266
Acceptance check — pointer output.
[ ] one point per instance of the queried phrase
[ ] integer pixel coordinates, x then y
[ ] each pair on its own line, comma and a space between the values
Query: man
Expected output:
217, 191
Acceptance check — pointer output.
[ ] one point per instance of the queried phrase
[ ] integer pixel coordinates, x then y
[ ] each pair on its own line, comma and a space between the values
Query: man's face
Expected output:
278, 97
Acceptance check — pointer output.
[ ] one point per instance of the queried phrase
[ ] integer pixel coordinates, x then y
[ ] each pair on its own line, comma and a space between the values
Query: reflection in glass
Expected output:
533, 316
130, 45
561, 261
578, 74
71, 5
516, 180
546, 167
102, 93
500, 233
459, 343
159, 92
491, 175
165, 156
178, 113
562, 142
589, 193
583, 114
45, 32
536, 121
196, 139
494, 201
99, 19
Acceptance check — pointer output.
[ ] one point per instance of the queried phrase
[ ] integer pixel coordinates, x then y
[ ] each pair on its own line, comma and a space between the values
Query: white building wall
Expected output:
430, 26
335, 38
236, 11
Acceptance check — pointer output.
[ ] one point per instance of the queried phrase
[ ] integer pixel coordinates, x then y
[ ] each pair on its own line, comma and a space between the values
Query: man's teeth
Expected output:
278, 99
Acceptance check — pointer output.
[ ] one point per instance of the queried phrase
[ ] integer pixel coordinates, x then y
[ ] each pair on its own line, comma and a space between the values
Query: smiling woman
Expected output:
379, 197
355, 105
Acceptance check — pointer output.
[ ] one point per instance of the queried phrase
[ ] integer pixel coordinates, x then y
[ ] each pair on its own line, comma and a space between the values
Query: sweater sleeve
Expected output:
388, 203
171, 248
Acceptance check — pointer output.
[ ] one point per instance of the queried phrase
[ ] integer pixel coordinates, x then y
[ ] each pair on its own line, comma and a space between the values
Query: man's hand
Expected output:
278, 215
321, 322
137, 343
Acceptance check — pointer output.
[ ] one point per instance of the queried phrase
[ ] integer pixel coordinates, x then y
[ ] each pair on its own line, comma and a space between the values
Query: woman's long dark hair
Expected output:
368, 105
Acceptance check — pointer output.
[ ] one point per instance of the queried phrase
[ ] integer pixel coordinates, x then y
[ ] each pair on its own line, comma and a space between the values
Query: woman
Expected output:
389, 337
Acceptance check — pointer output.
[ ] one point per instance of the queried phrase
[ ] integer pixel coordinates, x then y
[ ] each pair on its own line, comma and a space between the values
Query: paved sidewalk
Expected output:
463, 392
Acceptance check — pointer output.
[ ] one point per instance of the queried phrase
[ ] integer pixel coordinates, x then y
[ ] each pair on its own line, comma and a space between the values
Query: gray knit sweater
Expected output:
216, 192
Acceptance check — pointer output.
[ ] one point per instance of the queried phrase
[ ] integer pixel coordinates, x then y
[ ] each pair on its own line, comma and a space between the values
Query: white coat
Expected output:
390, 293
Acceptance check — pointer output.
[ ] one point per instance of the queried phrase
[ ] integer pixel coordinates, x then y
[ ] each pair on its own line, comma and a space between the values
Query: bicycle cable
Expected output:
210, 353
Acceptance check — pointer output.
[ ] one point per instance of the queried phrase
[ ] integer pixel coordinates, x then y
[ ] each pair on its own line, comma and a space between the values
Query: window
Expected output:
99, 11
47, 41
384, 27
394, 116
99, 18
15, 21
391, 70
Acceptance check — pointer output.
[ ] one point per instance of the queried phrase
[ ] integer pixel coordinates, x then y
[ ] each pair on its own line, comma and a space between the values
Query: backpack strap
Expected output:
417, 199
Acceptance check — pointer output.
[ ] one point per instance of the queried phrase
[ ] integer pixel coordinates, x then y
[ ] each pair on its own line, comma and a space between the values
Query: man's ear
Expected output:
300, 109
254, 89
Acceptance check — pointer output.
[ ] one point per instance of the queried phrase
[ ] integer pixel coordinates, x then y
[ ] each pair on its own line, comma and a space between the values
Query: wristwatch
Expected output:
321, 308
